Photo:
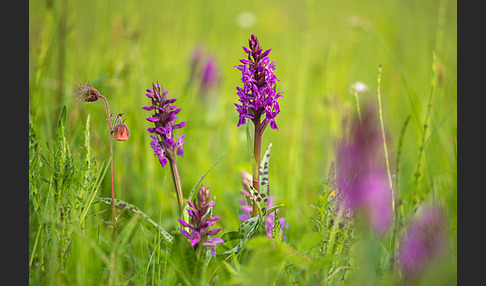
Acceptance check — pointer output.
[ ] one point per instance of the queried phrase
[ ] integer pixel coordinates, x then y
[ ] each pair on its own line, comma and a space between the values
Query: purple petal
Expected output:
185, 233
185, 224
216, 240
214, 218
245, 61
213, 251
151, 119
195, 238
213, 231
163, 161
266, 53
246, 208
180, 125
243, 217
191, 204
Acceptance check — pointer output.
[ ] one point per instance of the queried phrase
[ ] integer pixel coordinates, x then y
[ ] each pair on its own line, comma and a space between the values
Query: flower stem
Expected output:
177, 183
111, 169
256, 153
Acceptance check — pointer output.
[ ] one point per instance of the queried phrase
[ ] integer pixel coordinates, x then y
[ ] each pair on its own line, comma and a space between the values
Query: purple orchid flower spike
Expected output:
201, 222
257, 98
165, 142
210, 75
258, 95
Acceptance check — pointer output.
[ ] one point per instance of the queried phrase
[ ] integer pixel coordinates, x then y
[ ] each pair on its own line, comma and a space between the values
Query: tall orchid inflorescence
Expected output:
361, 174
258, 97
201, 222
164, 142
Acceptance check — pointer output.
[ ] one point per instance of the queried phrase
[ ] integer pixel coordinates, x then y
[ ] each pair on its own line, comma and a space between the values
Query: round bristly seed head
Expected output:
85, 93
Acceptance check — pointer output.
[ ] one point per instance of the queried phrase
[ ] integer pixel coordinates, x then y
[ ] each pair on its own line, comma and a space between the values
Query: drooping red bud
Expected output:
121, 132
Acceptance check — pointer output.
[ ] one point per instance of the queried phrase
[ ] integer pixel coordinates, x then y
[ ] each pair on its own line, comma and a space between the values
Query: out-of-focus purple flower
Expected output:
247, 209
203, 70
423, 241
201, 222
361, 174
164, 118
258, 95
196, 57
210, 75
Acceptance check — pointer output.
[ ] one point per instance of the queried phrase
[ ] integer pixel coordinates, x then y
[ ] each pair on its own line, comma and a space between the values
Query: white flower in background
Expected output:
246, 19
359, 87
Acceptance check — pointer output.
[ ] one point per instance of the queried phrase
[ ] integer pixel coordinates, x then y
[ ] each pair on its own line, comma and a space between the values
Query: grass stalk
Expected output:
356, 97
380, 110
62, 51
396, 221
433, 84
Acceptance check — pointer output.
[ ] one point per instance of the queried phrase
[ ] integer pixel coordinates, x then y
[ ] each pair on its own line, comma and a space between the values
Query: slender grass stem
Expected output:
433, 83
219, 266
356, 97
396, 220
32, 255
399, 151
62, 51
378, 93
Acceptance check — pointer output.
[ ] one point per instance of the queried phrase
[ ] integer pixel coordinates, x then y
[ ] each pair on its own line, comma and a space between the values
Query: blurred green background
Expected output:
320, 49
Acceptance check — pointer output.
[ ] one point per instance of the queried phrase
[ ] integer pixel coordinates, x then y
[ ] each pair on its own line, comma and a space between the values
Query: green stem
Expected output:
396, 220
257, 154
433, 84
111, 170
177, 183
355, 93
384, 140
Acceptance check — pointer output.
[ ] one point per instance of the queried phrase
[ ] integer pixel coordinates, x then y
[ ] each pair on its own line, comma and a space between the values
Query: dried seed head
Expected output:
121, 132
85, 93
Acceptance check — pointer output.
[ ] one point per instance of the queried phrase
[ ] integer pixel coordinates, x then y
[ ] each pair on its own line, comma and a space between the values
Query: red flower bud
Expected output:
121, 132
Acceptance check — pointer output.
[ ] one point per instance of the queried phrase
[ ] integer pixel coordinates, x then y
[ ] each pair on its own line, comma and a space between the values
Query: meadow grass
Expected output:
320, 47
